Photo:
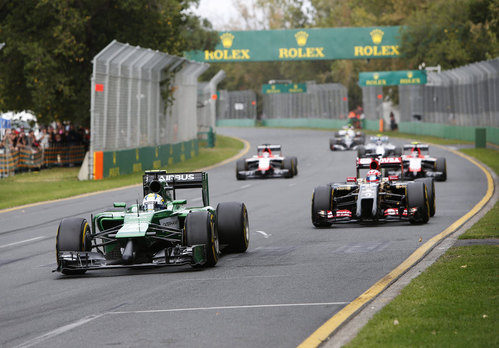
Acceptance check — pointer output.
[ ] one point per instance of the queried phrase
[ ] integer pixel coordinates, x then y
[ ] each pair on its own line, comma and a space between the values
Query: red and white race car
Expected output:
419, 164
267, 163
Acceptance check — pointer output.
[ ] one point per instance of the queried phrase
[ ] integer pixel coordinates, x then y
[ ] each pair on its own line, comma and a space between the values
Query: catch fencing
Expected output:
465, 96
236, 105
321, 101
142, 98
207, 102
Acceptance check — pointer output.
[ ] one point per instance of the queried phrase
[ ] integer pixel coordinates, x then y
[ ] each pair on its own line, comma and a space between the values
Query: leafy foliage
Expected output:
47, 61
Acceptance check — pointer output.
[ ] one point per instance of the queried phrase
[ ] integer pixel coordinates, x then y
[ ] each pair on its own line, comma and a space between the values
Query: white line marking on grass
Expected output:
58, 331
265, 235
230, 307
21, 242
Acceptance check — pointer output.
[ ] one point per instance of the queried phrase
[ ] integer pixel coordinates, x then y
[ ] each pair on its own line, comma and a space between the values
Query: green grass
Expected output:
488, 156
58, 183
452, 304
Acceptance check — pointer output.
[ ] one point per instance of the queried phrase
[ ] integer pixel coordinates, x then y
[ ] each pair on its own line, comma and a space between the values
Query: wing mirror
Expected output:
119, 204
393, 177
351, 179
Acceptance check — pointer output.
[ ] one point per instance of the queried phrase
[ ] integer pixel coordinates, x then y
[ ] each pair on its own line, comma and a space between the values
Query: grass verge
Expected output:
454, 302
58, 183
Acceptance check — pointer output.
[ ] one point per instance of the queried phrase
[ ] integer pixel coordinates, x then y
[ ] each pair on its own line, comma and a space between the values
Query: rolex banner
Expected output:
303, 44
392, 78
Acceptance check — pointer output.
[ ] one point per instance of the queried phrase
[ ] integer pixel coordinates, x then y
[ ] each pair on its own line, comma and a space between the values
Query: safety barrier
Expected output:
28, 158
63, 155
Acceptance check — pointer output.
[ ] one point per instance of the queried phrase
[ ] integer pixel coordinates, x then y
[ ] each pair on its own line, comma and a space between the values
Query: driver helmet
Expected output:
151, 200
373, 176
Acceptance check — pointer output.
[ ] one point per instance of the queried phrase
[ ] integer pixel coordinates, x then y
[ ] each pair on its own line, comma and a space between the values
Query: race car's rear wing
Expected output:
422, 147
272, 148
379, 163
159, 181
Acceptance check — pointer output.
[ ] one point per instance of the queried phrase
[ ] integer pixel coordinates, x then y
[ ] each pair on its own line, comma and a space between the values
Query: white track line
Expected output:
21, 242
245, 186
230, 307
66, 328
265, 235
58, 331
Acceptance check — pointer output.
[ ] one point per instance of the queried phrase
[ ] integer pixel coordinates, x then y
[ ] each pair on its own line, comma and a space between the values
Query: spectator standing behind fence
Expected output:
393, 123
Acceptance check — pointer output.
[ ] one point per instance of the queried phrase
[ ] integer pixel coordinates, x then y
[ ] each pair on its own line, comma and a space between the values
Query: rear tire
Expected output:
240, 166
199, 229
233, 226
417, 197
361, 151
441, 166
321, 200
73, 234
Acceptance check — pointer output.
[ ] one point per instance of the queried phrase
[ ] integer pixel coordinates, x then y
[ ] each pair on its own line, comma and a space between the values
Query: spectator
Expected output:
31, 140
393, 123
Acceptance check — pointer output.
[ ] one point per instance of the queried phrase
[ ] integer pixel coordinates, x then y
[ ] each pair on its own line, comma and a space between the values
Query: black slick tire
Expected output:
233, 226
398, 151
332, 142
288, 164
430, 188
321, 200
73, 234
240, 167
199, 228
441, 166
417, 197
294, 162
361, 151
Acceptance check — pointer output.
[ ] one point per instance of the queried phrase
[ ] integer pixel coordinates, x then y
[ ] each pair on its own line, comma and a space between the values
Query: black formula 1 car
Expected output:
267, 163
346, 139
159, 231
421, 165
379, 146
363, 200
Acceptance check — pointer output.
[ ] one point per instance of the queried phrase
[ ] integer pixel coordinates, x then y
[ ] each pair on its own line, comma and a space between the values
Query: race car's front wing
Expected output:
173, 256
274, 173
346, 216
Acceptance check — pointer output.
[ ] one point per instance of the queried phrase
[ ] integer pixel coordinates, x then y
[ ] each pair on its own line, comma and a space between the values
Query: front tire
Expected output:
294, 162
441, 166
321, 200
417, 197
240, 166
288, 164
233, 226
361, 151
430, 187
199, 229
398, 151
73, 234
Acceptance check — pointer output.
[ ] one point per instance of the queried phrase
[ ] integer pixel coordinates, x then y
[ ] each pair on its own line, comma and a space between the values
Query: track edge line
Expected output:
322, 334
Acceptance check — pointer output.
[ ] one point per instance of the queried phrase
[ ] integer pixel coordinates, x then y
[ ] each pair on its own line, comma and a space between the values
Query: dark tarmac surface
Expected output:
292, 279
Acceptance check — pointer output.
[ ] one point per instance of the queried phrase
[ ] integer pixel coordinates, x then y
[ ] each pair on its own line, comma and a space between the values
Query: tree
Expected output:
47, 61
452, 33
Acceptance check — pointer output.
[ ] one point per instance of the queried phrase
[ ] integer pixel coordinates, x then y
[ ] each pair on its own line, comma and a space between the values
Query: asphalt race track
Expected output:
292, 279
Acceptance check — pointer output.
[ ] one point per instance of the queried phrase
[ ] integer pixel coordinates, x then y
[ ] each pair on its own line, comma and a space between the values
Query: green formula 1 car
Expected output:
159, 231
